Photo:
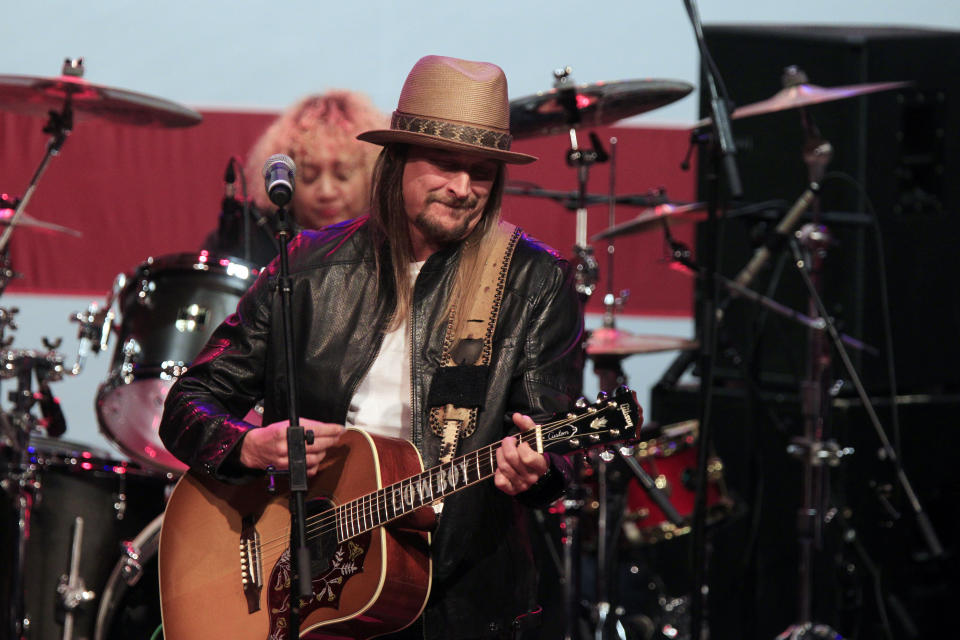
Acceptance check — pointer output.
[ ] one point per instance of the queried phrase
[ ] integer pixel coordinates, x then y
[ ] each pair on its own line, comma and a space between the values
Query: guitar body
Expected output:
216, 535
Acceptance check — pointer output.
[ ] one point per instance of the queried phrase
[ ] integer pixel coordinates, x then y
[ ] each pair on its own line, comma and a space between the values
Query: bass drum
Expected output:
168, 308
70, 481
130, 606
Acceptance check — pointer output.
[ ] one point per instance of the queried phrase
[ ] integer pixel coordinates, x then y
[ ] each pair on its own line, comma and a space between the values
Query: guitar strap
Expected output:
458, 390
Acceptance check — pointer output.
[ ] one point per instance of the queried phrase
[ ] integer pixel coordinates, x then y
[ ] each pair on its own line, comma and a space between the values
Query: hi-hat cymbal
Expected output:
607, 341
26, 220
596, 104
802, 95
654, 216
38, 96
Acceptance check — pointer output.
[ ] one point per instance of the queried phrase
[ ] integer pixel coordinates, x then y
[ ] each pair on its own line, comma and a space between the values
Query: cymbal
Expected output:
803, 95
37, 96
571, 199
26, 220
607, 341
653, 217
597, 104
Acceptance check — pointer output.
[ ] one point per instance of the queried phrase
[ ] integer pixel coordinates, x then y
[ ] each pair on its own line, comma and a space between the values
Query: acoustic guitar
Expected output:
225, 549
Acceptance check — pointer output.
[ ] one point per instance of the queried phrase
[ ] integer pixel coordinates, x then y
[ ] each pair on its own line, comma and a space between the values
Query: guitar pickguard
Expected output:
331, 570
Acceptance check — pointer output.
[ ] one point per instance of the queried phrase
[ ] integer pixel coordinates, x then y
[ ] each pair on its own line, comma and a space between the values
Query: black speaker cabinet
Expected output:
902, 146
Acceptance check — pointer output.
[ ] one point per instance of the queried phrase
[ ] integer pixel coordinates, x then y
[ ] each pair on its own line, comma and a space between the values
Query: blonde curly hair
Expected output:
317, 125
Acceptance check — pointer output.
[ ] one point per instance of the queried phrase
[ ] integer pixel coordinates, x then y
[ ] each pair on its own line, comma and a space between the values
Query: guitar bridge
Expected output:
251, 571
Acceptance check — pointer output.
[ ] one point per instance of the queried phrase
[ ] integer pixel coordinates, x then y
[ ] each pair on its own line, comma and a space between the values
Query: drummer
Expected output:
333, 171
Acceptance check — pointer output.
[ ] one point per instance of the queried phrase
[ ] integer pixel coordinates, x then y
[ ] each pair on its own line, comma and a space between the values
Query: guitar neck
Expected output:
587, 424
397, 500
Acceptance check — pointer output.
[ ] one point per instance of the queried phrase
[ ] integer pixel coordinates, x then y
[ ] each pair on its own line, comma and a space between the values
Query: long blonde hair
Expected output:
391, 226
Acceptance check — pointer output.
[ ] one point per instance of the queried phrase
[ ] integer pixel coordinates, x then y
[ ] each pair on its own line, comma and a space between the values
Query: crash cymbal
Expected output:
26, 220
803, 95
614, 342
38, 96
653, 217
596, 104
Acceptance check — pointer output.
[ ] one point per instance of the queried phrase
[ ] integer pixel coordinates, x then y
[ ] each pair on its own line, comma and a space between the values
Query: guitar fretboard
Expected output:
398, 499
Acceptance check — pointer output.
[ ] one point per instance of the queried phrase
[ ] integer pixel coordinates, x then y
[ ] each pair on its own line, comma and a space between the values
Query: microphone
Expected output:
278, 179
53, 420
229, 178
762, 255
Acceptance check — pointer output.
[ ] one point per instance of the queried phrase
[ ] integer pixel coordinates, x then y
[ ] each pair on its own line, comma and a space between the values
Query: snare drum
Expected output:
168, 309
68, 481
671, 460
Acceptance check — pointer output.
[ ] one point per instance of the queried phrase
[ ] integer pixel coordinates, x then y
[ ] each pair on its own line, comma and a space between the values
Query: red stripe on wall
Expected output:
139, 192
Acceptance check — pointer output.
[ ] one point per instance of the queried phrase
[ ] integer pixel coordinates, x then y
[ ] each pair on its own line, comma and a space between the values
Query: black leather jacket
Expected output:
483, 571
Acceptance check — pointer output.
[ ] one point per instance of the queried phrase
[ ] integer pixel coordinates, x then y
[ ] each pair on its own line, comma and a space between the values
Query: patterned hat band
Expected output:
461, 133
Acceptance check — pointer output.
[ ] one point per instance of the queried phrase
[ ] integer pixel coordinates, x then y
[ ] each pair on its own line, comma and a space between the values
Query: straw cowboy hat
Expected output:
453, 104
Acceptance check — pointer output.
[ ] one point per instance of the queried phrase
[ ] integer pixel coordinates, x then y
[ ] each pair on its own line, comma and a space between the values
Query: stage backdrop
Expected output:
140, 192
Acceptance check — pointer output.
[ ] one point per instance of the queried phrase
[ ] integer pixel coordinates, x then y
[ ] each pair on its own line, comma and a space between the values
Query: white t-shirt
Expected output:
381, 403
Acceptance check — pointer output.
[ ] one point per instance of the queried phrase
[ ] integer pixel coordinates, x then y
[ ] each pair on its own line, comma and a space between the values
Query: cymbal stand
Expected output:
581, 159
59, 127
809, 249
607, 367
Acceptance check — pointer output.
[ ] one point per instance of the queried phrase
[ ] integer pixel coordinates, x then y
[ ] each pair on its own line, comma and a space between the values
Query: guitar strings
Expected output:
359, 509
356, 509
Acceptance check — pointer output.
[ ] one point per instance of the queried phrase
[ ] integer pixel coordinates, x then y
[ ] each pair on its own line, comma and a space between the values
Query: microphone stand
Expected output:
724, 151
301, 583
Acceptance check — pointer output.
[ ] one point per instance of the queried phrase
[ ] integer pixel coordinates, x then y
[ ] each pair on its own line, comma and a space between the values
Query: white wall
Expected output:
255, 54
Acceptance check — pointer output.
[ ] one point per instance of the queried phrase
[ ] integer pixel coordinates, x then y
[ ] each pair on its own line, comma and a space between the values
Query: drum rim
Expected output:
147, 541
191, 261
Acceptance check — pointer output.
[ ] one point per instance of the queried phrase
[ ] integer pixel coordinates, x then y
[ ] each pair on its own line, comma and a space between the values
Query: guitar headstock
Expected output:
612, 418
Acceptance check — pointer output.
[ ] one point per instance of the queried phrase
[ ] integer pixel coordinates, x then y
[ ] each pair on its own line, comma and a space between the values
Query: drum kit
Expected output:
82, 527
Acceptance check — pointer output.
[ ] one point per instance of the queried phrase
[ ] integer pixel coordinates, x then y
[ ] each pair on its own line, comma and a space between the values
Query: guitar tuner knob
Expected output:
594, 436
602, 396
575, 443
615, 432
581, 403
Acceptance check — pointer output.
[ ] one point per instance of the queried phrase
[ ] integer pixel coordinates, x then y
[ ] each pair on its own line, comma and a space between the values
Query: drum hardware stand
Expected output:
71, 588
573, 504
94, 331
20, 479
581, 159
605, 616
815, 453
607, 367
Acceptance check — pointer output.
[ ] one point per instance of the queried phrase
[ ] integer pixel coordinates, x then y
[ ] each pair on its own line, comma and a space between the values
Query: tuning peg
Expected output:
581, 403
602, 396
